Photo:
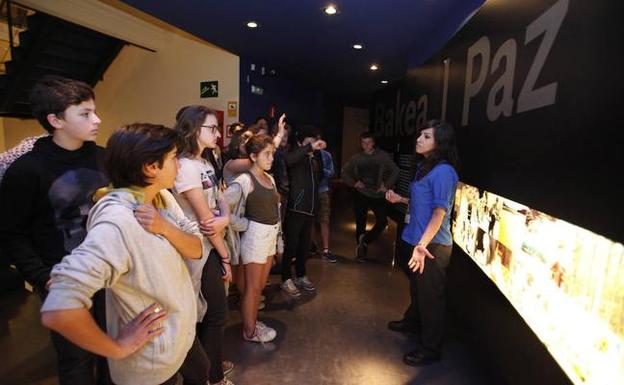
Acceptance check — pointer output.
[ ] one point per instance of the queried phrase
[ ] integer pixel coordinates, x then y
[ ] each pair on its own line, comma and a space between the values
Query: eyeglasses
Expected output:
212, 128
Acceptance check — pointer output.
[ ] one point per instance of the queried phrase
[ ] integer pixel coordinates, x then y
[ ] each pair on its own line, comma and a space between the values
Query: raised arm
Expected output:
281, 129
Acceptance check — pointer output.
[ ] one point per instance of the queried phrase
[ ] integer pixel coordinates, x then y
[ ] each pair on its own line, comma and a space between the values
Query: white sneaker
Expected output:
289, 287
261, 335
304, 283
262, 325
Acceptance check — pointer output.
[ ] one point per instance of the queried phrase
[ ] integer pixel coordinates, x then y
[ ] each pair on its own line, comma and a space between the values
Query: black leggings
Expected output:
210, 330
297, 230
194, 369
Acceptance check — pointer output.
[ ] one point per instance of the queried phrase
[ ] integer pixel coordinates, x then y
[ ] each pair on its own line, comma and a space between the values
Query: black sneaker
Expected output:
403, 326
329, 256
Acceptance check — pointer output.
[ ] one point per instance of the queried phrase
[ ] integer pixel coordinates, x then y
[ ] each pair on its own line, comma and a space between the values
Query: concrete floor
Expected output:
337, 336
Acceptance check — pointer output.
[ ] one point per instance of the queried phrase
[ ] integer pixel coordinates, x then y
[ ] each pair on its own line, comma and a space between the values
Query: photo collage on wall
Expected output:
566, 282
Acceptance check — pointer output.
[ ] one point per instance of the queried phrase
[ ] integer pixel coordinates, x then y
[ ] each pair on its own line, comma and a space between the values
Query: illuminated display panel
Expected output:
566, 282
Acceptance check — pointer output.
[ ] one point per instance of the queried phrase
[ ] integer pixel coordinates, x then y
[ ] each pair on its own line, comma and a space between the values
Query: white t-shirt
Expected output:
196, 173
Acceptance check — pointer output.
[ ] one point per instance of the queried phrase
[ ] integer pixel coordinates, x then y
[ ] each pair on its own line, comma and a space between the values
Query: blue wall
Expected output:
301, 100
302, 103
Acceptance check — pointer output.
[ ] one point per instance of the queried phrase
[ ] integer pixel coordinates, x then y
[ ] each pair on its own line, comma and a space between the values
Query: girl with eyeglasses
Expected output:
197, 189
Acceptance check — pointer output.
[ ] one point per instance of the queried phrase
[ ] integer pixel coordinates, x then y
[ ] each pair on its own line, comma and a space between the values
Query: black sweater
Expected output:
45, 198
303, 175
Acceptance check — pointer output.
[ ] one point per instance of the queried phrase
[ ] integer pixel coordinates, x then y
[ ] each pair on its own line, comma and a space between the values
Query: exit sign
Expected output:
209, 89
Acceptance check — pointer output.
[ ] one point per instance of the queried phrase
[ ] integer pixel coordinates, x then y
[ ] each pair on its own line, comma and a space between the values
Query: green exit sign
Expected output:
209, 89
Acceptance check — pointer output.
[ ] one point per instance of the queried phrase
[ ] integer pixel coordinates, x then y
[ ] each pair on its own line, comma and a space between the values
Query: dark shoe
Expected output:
402, 326
313, 248
418, 358
361, 250
329, 256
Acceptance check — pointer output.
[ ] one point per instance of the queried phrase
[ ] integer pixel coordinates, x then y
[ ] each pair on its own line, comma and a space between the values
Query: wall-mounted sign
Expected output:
209, 89
257, 90
232, 109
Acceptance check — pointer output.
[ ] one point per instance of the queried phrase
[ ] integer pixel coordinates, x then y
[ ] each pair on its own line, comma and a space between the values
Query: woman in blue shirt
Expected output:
428, 235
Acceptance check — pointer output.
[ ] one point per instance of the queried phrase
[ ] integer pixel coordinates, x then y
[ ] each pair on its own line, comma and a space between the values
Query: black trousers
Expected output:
427, 296
361, 205
77, 366
194, 369
210, 330
297, 230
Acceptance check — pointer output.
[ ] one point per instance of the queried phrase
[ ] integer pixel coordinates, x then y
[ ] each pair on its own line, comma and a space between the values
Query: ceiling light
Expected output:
331, 9
252, 24
374, 67
384, 82
357, 46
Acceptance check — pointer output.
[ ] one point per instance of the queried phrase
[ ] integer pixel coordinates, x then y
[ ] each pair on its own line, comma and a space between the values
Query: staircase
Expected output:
49, 45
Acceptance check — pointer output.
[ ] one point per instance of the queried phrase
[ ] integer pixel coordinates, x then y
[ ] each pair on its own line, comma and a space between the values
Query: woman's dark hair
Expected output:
235, 127
257, 143
188, 125
131, 147
53, 94
445, 147
233, 148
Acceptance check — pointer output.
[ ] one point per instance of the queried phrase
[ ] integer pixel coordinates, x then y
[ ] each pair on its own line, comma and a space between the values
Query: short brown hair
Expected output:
54, 94
257, 143
133, 146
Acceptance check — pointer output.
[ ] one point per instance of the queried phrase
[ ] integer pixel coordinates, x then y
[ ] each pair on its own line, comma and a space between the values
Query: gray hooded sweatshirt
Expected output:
137, 268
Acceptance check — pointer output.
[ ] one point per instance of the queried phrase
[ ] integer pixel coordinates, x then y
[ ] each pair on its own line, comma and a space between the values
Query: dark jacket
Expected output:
303, 175
279, 169
45, 198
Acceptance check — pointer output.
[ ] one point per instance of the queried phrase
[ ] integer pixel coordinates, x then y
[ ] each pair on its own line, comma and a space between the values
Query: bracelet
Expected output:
226, 262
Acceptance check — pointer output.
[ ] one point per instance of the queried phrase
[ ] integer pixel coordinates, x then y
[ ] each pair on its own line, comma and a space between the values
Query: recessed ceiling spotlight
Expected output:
252, 24
384, 82
357, 46
331, 9
374, 67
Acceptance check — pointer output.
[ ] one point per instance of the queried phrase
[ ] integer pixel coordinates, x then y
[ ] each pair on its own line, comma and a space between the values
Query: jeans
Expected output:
361, 204
428, 300
297, 230
210, 330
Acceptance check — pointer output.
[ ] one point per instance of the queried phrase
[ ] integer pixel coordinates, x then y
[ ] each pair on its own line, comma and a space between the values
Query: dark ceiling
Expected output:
298, 38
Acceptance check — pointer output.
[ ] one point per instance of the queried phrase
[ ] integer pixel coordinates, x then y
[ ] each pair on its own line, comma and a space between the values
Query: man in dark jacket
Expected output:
303, 176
